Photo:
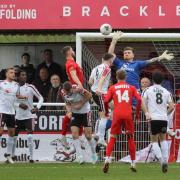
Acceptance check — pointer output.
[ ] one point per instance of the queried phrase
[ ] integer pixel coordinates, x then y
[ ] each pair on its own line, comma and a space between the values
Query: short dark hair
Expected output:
65, 49
48, 50
45, 68
128, 48
26, 54
107, 56
121, 74
67, 86
20, 71
157, 77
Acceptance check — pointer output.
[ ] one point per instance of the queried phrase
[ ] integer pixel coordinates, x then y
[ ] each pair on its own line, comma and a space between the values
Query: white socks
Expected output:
92, 144
97, 126
164, 150
77, 145
157, 151
10, 143
102, 128
30, 145
14, 146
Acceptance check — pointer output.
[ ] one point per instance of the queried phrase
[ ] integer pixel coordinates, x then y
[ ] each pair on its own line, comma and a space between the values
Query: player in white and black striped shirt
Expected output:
99, 81
158, 104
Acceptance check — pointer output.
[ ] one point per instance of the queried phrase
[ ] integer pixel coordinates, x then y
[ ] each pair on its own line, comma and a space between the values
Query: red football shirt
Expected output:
71, 64
122, 95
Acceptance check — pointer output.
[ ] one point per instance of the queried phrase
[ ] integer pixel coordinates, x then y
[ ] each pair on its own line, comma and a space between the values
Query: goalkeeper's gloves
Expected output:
116, 36
167, 56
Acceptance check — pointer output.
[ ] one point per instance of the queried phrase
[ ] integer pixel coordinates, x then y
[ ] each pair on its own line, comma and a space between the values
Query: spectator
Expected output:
29, 68
54, 94
42, 83
145, 82
3, 74
17, 69
53, 68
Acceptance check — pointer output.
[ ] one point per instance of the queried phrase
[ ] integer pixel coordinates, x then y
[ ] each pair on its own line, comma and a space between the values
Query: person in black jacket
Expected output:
53, 67
29, 68
42, 83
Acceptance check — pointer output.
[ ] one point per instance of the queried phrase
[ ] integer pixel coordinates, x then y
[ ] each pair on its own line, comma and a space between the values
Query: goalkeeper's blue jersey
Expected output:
132, 69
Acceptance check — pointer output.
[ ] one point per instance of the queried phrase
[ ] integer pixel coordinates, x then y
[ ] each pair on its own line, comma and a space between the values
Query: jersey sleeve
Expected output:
118, 62
38, 96
92, 74
109, 95
170, 98
71, 66
142, 64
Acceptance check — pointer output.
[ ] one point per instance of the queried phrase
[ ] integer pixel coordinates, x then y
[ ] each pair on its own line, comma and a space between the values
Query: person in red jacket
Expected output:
76, 77
122, 94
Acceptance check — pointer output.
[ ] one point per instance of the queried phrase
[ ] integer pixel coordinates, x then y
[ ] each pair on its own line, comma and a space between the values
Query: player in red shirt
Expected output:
75, 76
73, 70
122, 94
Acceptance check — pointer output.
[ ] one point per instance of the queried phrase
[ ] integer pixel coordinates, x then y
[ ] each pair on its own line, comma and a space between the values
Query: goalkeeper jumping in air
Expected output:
132, 66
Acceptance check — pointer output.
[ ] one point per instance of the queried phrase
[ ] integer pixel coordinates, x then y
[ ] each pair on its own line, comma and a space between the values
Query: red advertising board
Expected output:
89, 14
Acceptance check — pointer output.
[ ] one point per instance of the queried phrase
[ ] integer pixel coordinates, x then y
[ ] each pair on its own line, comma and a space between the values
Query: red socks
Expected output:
110, 146
65, 125
132, 148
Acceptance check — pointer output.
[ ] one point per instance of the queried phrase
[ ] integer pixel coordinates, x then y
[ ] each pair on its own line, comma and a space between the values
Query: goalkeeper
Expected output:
131, 66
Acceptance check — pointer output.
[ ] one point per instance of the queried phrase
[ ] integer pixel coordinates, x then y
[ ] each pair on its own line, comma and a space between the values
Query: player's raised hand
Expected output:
167, 56
117, 35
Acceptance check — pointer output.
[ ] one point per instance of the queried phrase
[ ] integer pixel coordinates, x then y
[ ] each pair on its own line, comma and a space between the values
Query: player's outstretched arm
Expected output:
164, 56
116, 36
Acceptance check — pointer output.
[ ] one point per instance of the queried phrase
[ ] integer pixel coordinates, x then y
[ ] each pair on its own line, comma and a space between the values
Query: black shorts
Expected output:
81, 120
25, 125
158, 126
99, 100
8, 120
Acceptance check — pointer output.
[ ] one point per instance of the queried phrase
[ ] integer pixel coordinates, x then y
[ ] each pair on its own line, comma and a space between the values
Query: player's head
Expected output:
108, 58
157, 77
128, 53
10, 74
55, 80
25, 58
67, 87
121, 75
48, 55
68, 51
22, 76
145, 82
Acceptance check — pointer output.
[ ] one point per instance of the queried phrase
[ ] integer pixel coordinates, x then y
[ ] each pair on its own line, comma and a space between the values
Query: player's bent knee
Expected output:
11, 132
162, 137
69, 115
154, 138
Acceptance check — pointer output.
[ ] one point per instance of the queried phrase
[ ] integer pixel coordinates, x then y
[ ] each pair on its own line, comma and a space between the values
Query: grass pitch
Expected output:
72, 171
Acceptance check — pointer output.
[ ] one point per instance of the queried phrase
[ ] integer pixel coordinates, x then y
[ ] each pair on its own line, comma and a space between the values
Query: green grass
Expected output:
86, 172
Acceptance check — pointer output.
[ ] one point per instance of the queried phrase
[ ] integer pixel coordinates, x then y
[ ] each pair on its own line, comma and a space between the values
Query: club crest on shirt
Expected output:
126, 68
